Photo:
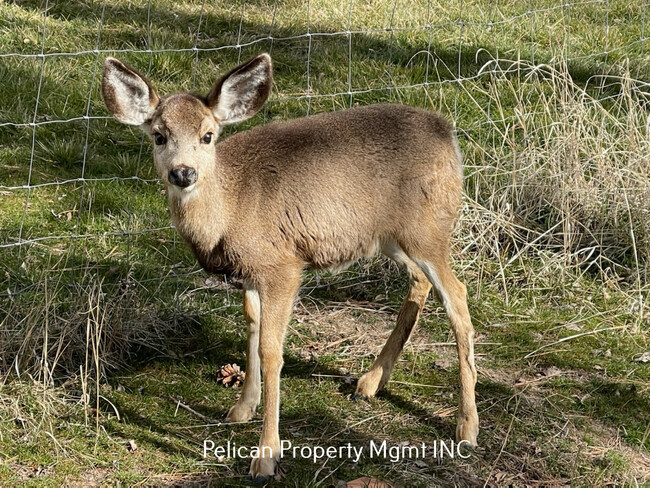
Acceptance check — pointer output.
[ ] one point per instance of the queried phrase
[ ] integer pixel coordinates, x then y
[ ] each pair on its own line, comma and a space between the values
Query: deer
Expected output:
316, 192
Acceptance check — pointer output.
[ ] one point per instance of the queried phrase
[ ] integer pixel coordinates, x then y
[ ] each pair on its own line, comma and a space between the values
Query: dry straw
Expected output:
560, 175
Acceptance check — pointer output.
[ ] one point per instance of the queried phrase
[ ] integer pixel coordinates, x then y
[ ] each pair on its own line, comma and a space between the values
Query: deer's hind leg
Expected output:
453, 294
379, 373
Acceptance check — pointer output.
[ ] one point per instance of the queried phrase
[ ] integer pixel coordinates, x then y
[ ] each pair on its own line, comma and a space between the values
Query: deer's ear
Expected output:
239, 94
128, 95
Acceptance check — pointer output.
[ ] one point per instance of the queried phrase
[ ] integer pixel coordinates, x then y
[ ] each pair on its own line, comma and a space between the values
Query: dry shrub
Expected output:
85, 328
563, 168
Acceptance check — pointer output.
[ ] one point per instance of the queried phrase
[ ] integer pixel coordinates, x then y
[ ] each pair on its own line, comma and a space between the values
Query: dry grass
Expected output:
86, 327
560, 173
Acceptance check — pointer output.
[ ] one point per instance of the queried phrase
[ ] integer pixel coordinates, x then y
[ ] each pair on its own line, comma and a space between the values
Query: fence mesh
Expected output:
79, 197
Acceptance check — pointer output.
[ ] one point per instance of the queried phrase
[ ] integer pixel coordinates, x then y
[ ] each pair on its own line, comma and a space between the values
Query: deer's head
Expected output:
185, 127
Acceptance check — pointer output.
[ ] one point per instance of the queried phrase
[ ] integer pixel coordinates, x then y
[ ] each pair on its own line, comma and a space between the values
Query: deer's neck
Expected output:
201, 216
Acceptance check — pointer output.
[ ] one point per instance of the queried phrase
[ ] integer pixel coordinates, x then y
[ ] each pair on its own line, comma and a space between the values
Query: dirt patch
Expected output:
90, 478
31, 472
357, 329
607, 439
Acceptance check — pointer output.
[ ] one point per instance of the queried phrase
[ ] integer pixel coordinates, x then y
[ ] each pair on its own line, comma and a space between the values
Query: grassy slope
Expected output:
575, 412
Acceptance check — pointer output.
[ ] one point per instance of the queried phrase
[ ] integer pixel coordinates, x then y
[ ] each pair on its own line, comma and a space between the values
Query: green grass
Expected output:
554, 244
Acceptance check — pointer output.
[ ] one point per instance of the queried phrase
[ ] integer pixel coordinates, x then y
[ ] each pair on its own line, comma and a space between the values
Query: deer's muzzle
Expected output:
182, 177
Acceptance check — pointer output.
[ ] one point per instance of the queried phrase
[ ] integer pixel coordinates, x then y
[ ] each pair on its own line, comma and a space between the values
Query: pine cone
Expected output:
230, 376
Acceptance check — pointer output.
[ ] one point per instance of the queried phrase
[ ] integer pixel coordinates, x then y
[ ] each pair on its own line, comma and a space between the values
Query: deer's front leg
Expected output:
244, 409
276, 298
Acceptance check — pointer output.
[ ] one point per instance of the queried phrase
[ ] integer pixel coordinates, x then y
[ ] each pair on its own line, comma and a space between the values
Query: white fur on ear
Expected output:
243, 91
128, 95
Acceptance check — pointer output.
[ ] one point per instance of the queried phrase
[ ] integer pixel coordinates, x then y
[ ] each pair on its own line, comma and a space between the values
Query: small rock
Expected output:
211, 281
643, 358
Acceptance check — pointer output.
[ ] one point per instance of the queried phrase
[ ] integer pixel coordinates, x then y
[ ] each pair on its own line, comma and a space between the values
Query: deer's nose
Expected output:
182, 177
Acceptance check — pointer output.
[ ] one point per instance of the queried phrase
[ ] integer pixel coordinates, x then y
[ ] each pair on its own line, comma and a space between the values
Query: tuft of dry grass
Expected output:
560, 173
87, 327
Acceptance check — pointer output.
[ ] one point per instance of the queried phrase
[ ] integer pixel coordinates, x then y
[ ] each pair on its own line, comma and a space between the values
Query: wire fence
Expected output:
59, 144
549, 99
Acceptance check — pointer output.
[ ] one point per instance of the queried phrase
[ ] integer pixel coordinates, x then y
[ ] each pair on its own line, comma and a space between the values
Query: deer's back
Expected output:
332, 187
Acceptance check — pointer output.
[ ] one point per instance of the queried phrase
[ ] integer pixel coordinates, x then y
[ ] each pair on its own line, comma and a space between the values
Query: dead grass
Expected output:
86, 324
565, 175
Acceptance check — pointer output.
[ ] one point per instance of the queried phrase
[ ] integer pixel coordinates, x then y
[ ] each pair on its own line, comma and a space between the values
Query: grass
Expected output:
106, 323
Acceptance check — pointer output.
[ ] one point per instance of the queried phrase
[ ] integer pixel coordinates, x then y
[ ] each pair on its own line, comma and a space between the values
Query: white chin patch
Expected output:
183, 194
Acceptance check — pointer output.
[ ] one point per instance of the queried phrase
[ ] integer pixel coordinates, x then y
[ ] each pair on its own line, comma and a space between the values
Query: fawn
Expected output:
315, 192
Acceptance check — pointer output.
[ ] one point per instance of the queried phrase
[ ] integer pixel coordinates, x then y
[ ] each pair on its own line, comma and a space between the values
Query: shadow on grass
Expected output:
620, 406
326, 419
316, 421
225, 29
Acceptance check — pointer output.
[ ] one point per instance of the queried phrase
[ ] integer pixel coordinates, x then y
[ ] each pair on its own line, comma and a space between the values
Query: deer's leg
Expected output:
244, 409
379, 373
276, 298
453, 295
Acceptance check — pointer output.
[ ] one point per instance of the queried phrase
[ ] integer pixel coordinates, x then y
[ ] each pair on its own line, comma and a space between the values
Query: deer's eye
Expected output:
159, 139
207, 138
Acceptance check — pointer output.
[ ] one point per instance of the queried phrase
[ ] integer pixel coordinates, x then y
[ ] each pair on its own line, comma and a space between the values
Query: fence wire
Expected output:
394, 31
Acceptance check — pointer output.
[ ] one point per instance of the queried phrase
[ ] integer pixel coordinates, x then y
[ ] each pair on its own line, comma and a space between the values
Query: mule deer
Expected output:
315, 192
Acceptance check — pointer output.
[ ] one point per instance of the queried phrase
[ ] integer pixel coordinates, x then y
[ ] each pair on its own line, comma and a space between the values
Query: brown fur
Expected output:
283, 215
316, 192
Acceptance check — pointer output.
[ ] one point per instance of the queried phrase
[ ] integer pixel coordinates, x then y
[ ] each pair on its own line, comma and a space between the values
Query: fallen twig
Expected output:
192, 411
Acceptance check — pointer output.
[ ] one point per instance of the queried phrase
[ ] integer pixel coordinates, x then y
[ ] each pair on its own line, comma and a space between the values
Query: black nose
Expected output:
182, 177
